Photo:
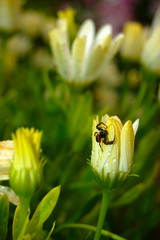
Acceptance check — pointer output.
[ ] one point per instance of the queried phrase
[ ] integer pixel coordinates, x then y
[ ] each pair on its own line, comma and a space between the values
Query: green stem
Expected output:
24, 209
91, 228
51, 91
102, 214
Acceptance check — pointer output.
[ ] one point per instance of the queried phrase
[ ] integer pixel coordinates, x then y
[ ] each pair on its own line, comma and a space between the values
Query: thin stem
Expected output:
50, 89
102, 214
24, 209
91, 228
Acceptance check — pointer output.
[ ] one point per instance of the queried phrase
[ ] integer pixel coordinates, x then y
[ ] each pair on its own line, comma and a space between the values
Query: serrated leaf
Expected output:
4, 213
43, 210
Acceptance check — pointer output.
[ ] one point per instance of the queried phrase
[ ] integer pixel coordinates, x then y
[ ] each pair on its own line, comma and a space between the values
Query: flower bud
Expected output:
133, 42
26, 169
112, 150
69, 15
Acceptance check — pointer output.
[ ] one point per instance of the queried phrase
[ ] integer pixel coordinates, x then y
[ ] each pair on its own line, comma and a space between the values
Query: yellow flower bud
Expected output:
26, 169
133, 42
69, 16
112, 149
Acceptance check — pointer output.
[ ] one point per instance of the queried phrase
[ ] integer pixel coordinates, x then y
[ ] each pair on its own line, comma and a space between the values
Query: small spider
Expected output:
101, 136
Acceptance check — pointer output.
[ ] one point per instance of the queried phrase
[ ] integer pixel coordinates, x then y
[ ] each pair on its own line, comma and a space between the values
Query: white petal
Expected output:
115, 45
95, 59
113, 48
6, 155
102, 33
135, 126
156, 20
105, 118
87, 30
95, 145
13, 198
60, 48
154, 63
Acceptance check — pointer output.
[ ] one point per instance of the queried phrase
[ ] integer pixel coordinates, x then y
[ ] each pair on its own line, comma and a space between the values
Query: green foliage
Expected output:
4, 214
43, 211
25, 228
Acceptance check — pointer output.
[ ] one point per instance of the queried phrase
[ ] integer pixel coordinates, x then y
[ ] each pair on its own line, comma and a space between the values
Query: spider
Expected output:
101, 135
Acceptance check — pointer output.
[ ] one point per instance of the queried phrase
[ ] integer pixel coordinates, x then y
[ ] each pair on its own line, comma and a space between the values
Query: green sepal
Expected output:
4, 213
24, 182
106, 182
43, 211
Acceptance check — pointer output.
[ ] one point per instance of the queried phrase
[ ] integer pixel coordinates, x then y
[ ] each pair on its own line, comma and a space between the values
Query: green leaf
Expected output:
4, 212
18, 233
133, 193
129, 196
27, 237
49, 234
43, 210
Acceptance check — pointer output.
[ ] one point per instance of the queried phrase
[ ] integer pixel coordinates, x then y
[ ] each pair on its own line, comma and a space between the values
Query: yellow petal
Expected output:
127, 147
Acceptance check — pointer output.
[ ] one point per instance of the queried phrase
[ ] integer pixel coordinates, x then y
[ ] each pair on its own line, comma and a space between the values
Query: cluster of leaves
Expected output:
33, 228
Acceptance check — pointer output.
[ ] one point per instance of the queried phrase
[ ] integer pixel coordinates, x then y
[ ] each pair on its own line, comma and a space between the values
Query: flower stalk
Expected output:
102, 214
24, 209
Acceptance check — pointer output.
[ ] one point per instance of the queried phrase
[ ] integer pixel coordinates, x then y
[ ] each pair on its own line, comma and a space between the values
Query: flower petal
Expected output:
87, 30
127, 147
95, 145
102, 33
135, 126
78, 52
95, 59
6, 155
115, 46
60, 48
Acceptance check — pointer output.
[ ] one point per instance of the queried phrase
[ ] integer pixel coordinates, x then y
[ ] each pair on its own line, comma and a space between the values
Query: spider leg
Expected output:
95, 134
108, 142
99, 124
